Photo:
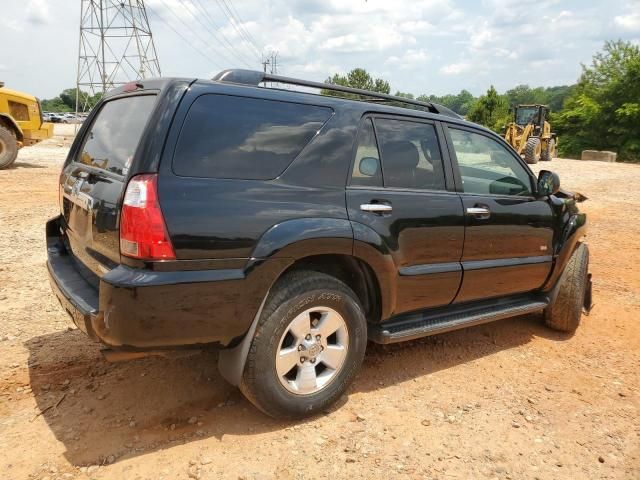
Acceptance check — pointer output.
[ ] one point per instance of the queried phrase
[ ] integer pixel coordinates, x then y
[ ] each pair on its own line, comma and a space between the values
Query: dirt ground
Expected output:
509, 400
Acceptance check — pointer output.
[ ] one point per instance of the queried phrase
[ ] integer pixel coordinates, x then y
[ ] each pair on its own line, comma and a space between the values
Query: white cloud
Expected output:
456, 68
37, 12
630, 21
419, 46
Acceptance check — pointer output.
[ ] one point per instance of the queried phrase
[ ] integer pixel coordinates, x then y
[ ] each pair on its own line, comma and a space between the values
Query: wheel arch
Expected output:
362, 265
9, 123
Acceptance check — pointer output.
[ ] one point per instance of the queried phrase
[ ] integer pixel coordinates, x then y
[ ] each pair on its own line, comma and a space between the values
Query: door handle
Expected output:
481, 213
376, 207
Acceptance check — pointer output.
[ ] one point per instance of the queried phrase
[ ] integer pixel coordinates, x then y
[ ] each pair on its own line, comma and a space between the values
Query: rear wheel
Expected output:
8, 147
308, 346
565, 312
549, 152
532, 150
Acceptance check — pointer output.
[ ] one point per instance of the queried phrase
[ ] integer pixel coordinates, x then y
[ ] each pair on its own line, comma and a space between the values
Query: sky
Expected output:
419, 46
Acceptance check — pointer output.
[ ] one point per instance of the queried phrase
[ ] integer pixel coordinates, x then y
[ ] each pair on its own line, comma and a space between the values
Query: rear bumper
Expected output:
139, 309
74, 293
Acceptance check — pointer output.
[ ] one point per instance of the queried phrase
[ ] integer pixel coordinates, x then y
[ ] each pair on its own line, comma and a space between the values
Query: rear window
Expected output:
236, 137
115, 133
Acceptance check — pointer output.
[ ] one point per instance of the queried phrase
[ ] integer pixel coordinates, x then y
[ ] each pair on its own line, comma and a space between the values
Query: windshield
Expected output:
525, 115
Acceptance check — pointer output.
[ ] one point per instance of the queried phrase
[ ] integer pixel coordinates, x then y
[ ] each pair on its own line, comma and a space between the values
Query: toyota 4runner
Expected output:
289, 228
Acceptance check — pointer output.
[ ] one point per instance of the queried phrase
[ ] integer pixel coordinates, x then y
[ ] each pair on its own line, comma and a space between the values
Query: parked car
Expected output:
288, 229
56, 118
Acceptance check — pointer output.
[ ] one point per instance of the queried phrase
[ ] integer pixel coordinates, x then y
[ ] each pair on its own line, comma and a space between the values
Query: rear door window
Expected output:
114, 135
410, 154
225, 136
367, 171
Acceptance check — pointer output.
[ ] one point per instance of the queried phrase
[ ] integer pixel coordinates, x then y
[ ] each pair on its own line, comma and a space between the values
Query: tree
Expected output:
460, 103
54, 105
66, 101
524, 94
404, 95
556, 96
491, 110
357, 78
603, 111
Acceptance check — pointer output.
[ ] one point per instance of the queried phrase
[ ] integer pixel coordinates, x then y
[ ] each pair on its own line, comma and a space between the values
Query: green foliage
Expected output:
491, 110
460, 103
357, 78
603, 111
66, 101
404, 95
55, 105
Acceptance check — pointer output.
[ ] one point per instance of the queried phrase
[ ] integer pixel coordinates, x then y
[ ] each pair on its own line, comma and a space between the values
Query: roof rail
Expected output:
255, 78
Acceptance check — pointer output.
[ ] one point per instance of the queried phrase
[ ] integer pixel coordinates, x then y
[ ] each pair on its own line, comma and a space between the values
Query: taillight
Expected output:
143, 233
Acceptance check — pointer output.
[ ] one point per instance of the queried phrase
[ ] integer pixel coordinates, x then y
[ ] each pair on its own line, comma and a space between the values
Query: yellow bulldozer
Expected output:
530, 133
21, 124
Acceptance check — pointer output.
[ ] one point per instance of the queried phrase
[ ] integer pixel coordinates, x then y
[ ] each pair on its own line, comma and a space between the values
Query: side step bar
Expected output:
422, 324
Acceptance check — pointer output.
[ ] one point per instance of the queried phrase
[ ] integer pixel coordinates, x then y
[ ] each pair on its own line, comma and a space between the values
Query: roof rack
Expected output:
255, 78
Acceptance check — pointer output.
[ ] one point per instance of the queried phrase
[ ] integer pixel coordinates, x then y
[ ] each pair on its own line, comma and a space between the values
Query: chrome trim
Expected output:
478, 211
376, 207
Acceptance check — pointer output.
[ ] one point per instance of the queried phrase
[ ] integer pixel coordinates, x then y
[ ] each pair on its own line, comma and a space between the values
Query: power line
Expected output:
188, 42
241, 23
197, 18
217, 28
195, 33
237, 27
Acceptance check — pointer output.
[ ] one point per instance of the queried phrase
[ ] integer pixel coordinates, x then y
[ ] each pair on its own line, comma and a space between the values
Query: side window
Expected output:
410, 154
247, 138
366, 168
487, 167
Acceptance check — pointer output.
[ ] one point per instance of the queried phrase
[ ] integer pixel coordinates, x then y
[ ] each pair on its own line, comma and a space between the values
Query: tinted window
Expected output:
366, 167
487, 167
410, 154
236, 137
115, 134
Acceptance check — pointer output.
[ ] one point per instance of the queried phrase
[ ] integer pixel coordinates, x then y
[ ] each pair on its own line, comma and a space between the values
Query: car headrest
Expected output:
404, 154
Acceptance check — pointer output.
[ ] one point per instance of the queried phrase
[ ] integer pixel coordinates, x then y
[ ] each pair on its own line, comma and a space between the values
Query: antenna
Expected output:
116, 47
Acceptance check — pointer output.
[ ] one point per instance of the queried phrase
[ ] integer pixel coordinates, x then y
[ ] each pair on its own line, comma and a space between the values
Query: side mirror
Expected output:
369, 166
548, 183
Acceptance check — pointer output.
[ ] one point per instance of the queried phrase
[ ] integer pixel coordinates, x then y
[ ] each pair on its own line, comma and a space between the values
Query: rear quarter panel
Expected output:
212, 218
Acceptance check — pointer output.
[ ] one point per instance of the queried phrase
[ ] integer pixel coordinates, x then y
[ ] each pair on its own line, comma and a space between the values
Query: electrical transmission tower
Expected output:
270, 60
116, 47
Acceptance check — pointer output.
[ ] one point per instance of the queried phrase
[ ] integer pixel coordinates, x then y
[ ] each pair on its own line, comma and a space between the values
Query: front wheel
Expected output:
308, 346
549, 152
566, 310
532, 150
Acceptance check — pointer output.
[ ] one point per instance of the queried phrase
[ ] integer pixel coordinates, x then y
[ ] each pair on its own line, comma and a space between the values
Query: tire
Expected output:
547, 153
532, 150
8, 147
296, 301
566, 310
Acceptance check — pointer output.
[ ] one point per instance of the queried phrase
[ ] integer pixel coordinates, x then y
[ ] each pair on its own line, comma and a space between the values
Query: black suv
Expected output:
288, 228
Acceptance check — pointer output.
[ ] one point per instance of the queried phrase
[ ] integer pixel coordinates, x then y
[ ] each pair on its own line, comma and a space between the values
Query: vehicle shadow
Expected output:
102, 412
17, 165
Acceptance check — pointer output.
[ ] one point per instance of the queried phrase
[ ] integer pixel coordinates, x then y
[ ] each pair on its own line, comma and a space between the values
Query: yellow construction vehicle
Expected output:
530, 133
21, 124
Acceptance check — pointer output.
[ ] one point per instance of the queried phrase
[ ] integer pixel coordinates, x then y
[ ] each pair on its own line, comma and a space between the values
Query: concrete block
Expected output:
600, 156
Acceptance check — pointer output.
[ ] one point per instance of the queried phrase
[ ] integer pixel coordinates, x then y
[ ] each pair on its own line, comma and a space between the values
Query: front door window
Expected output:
487, 167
